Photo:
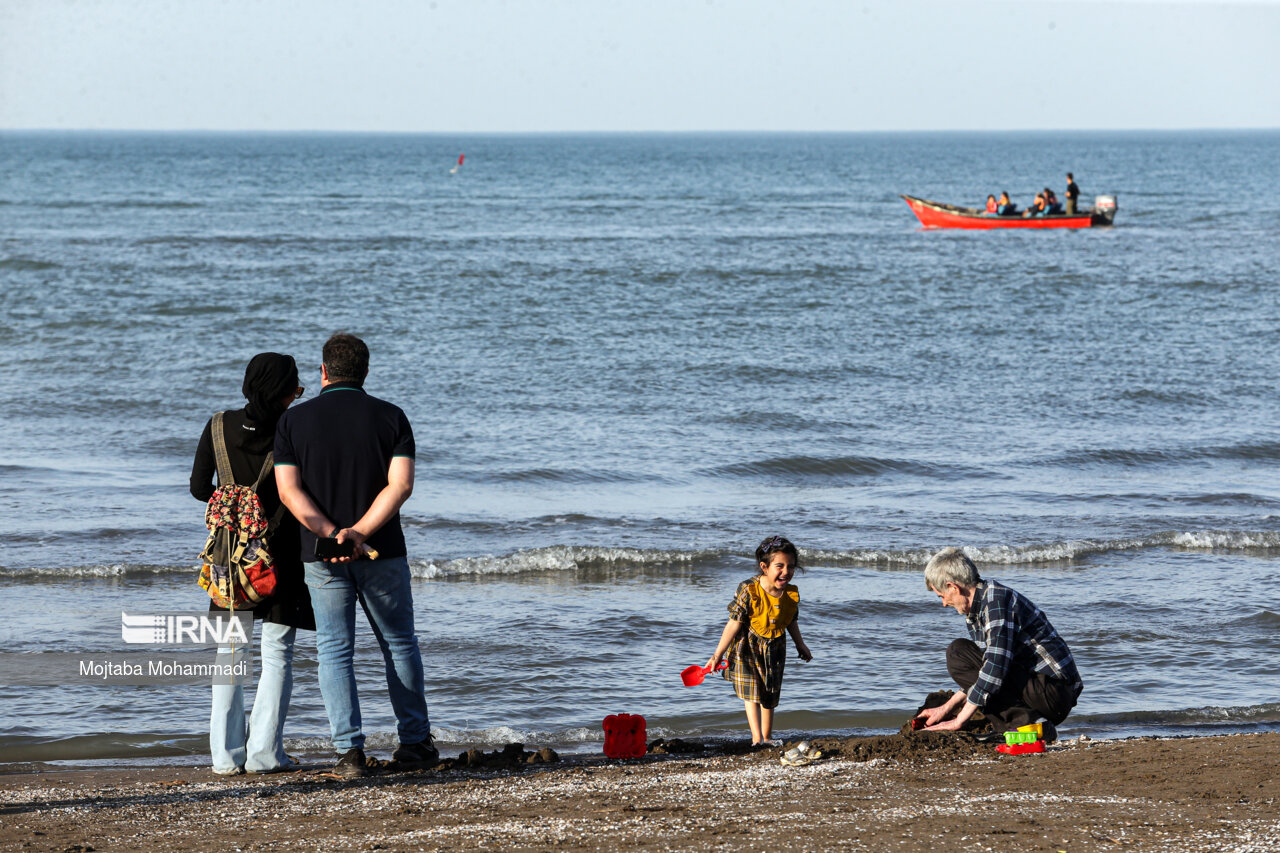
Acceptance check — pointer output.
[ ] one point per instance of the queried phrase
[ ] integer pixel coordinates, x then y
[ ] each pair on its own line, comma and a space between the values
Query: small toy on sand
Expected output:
1021, 748
1020, 736
1037, 728
692, 676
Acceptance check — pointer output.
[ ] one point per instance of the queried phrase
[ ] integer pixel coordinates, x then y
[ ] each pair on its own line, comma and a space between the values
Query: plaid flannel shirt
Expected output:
1014, 632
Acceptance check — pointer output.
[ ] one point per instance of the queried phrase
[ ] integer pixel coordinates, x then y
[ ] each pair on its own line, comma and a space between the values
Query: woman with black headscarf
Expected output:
270, 386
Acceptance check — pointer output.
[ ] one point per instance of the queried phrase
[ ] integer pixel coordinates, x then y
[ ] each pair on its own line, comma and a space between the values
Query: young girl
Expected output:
763, 609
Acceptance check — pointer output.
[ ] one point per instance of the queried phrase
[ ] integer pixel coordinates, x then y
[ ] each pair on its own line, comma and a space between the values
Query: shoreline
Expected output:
911, 793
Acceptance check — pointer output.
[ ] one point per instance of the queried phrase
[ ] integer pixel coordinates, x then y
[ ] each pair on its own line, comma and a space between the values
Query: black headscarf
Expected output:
268, 380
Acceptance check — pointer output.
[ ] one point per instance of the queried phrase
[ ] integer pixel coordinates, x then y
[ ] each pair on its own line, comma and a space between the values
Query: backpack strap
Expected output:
267, 465
225, 477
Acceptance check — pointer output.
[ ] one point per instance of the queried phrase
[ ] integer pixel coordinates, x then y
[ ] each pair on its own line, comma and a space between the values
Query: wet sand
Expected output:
922, 793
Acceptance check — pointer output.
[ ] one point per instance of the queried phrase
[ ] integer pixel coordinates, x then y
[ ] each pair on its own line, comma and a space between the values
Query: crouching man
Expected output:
1024, 673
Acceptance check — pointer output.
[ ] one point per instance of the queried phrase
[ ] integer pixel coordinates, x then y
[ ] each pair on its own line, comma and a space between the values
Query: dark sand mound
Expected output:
912, 748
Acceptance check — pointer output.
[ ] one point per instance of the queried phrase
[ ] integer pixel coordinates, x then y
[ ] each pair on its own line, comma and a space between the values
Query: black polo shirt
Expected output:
342, 444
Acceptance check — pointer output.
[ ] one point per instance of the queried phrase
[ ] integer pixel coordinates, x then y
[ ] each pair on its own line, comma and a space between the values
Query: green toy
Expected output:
1011, 738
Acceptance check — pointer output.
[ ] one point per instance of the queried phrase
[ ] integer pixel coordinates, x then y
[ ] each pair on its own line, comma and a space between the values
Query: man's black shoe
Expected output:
351, 764
1049, 731
422, 754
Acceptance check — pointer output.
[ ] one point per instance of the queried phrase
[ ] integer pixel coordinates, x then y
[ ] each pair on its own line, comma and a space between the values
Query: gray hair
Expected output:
950, 565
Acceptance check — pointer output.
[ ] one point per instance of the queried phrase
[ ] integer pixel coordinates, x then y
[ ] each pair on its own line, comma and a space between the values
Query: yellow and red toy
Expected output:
1025, 741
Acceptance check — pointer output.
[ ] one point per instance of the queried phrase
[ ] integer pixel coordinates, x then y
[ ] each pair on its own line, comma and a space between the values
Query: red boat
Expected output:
933, 214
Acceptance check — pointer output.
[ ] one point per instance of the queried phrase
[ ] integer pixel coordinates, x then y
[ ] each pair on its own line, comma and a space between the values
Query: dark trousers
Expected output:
1025, 697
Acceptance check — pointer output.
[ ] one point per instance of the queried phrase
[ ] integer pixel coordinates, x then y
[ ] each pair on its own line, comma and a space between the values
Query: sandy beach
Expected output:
880, 793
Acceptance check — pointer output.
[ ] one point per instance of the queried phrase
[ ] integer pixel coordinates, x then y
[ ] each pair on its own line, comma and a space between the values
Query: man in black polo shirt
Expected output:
344, 467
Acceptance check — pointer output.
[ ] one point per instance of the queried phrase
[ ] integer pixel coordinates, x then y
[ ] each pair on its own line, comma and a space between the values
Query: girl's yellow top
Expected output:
769, 617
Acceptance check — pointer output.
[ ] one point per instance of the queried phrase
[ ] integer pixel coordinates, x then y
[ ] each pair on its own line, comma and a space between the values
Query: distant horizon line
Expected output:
350, 132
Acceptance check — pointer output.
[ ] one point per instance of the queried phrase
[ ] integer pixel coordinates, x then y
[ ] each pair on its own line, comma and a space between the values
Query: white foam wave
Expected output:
1054, 552
557, 558
561, 558
319, 745
463, 738
502, 735
1211, 714
1228, 540
114, 570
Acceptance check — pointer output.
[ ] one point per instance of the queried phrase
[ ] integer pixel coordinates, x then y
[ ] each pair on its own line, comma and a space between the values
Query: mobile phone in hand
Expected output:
331, 549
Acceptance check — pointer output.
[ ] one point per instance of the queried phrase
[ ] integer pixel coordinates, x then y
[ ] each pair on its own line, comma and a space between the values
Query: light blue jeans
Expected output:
382, 588
264, 751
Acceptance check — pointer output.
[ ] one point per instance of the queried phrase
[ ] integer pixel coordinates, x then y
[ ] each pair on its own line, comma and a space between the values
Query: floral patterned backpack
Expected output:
237, 571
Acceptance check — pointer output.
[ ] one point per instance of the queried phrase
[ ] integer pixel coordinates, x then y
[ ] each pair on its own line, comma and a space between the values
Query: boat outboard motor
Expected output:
1104, 209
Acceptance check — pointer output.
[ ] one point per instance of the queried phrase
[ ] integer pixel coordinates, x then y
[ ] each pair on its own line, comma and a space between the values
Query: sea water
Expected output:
626, 360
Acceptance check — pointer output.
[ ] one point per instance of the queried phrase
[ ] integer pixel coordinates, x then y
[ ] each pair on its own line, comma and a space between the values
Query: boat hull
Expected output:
934, 214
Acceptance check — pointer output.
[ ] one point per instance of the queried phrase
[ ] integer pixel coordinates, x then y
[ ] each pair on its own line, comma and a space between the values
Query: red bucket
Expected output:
624, 736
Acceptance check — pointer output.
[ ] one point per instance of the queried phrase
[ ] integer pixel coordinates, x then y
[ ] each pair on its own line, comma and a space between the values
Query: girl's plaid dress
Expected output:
758, 657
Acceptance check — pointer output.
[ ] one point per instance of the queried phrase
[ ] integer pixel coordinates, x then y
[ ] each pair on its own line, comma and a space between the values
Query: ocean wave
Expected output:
103, 745
159, 205
568, 558
562, 475
114, 570
1141, 457
92, 204
498, 527
296, 241
842, 466
464, 738
1228, 540
92, 535
10, 470
1267, 618
561, 558
1176, 396
1210, 714
1057, 552
187, 309
26, 264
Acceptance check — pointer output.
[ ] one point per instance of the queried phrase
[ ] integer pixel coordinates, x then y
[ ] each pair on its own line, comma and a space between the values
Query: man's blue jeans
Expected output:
382, 588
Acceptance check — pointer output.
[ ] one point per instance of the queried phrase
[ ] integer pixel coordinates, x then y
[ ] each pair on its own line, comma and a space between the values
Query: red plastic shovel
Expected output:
693, 675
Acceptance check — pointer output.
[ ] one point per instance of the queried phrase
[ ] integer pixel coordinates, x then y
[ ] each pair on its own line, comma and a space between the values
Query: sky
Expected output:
474, 66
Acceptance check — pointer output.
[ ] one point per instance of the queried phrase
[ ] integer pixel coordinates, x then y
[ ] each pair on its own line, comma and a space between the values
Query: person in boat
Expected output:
1005, 206
1037, 207
1051, 203
1073, 193
992, 207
